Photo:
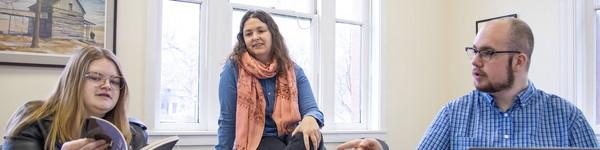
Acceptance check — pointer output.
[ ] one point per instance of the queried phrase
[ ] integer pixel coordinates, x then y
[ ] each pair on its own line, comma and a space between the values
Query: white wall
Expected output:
542, 17
413, 40
19, 84
131, 45
424, 65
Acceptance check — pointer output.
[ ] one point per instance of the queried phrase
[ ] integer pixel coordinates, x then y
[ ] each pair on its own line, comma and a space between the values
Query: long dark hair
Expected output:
278, 48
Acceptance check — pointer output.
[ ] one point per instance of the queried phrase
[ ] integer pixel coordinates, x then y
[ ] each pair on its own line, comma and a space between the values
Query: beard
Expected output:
496, 87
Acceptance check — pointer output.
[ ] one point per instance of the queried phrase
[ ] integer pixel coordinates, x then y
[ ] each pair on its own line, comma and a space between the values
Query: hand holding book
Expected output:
84, 143
101, 130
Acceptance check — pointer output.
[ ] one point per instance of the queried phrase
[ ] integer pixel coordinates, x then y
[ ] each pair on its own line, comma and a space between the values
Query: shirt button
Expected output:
506, 136
269, 93
505, 114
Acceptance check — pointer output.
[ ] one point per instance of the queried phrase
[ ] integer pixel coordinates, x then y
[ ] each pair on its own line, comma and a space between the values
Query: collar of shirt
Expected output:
522, 99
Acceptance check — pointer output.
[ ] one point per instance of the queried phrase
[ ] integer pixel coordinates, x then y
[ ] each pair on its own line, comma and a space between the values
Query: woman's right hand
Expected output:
85, 144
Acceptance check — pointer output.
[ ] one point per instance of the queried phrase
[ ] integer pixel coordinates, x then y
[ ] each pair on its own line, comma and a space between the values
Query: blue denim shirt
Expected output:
228, 98
536, 119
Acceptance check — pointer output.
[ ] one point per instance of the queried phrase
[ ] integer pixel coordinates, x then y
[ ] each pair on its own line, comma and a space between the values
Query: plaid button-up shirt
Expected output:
536, 119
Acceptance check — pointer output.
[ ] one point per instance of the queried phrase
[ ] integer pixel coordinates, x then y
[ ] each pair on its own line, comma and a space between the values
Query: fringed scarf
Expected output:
250, 111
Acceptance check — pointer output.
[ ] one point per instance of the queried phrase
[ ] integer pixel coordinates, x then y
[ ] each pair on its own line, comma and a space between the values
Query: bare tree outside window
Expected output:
347, 73
179, 62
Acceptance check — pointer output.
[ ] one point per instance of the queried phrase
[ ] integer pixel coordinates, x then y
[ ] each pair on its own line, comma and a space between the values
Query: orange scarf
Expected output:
250, 111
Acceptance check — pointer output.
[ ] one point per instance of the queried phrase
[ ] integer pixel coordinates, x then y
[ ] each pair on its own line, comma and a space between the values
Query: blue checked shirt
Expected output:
536, 119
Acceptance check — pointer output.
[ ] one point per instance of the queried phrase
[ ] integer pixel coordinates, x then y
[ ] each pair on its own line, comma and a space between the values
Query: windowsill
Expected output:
209, 138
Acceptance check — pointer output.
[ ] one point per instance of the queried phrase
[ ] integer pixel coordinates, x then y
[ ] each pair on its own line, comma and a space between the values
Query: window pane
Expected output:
179, 62
349, 9
304, 6
296, 33
347, 73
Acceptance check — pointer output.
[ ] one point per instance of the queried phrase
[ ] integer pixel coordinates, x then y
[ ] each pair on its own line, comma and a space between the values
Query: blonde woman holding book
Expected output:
92, 84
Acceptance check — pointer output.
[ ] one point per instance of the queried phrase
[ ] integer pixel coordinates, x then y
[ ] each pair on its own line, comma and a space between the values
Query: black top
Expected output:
34, 136
383, 144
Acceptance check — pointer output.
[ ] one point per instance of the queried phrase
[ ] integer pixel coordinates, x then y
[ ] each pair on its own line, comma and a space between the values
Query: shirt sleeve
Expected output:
306, 99
438, 135
383, 144
30, 138
227, 100
581, 133
139, 136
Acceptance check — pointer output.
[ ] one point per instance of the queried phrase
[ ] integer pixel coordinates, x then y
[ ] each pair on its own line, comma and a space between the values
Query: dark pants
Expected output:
286, 143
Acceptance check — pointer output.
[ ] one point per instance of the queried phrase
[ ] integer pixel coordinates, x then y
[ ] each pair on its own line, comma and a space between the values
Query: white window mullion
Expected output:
326, 12
203, 86
152, 86
374, 118
588, 65
595, 19
366, 51
315, 80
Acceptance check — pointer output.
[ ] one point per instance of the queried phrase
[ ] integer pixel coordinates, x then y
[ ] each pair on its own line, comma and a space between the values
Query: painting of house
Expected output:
65, 25
64, 20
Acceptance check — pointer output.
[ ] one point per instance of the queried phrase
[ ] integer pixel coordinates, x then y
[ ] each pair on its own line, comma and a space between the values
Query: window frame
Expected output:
370, 62
220, 12
578, 57
202, 113
594, 26
365, 67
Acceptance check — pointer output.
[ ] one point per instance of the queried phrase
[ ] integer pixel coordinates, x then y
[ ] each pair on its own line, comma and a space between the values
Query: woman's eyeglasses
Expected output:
98, 79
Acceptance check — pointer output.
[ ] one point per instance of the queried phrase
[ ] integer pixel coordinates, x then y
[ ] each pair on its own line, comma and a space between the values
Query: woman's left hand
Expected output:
310, 128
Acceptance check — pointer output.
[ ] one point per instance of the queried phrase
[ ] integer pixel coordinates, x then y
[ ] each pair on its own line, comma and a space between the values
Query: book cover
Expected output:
100, 129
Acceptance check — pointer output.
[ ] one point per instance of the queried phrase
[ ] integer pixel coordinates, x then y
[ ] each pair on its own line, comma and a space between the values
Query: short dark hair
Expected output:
520, 37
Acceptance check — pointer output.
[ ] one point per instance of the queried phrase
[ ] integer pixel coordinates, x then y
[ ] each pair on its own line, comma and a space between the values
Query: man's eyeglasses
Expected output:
485, 54
116, 82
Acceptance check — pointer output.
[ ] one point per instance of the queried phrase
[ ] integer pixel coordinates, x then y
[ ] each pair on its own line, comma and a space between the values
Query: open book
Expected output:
98, 128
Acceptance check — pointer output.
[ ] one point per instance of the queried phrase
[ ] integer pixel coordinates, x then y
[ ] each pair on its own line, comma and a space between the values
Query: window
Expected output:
331, 42
179, 73
349, 54
348, 60
579, 57
582, 61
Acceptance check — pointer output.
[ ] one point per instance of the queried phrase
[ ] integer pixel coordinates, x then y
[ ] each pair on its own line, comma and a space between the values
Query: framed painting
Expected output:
480, 23
47, 34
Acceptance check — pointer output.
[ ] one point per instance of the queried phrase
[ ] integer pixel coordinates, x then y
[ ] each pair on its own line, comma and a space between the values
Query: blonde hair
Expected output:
66, 105
22, 112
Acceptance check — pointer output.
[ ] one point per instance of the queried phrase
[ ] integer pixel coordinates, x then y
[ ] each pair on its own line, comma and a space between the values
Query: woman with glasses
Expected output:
91, 84
266, 100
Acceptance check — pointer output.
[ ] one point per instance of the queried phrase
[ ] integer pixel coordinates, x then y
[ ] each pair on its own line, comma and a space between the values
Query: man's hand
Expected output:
361, 144
310, 128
